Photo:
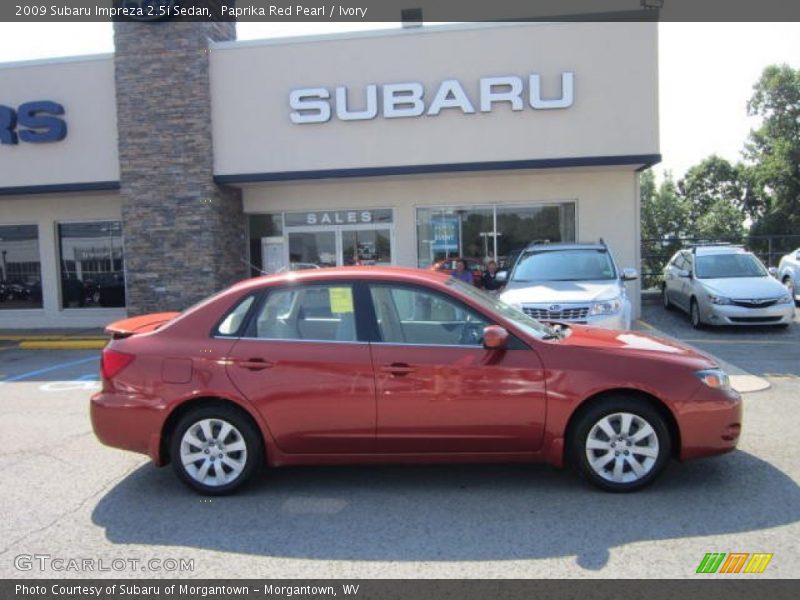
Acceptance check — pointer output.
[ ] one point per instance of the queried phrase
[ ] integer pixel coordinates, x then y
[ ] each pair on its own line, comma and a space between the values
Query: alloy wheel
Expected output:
213, 452
622, 447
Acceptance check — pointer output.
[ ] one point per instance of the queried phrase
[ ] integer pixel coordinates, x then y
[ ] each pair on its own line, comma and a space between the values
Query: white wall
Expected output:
85, 87
615, 111
47, 211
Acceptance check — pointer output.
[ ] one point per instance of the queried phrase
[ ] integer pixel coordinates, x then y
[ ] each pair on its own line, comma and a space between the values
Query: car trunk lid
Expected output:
137, 325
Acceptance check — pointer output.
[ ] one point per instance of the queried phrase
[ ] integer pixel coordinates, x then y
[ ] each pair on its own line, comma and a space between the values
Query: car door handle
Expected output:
255, 364
398, 369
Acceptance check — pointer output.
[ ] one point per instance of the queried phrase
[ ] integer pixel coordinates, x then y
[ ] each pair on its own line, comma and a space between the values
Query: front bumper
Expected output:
727, 314
710, 423
128, 422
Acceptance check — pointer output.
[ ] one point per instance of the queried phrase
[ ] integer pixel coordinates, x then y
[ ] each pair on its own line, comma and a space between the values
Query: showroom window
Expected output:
21, 275
496, 232
91, 264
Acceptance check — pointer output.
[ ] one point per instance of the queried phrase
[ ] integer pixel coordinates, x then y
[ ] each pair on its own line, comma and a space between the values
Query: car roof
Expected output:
326, 274
554, 246
719, 249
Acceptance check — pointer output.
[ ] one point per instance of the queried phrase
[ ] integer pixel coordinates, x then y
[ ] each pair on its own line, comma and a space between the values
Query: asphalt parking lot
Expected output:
66, 496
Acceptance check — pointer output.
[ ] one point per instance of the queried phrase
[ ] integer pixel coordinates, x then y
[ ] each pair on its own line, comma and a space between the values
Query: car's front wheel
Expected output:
621, 444
665, 298
694, 315
215, 449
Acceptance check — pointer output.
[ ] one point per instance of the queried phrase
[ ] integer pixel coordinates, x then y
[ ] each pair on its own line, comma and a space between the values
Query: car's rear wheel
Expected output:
694, 315
621, 444
215, 449
665, 298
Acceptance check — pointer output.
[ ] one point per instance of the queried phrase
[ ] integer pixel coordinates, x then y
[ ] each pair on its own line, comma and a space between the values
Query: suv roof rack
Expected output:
694, 247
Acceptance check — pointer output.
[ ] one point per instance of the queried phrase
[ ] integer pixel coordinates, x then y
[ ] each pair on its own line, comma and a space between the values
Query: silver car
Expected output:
789, 273
725, 285
573, 283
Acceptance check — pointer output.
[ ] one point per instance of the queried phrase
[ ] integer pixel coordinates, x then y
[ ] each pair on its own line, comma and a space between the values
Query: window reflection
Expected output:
91, 264
20, 269
490, 232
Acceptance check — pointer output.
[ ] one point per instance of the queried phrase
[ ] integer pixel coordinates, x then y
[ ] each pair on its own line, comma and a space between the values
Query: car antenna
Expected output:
252, 266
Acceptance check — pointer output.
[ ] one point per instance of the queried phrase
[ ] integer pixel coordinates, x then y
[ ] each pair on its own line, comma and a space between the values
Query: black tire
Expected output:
243, 428
665, 298
694, 314
609, 407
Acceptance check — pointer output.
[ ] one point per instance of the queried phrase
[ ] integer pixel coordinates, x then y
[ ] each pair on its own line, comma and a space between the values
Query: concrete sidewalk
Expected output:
53, 339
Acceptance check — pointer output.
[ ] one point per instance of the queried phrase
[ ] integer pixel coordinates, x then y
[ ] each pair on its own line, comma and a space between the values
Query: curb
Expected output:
742, 381
63, 344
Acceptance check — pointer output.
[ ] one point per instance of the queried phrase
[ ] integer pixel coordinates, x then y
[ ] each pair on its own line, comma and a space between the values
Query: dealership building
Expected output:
146, 179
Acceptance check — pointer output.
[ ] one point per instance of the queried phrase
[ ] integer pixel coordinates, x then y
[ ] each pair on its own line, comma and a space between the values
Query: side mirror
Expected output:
629, 274
773, 271
501, 276
494, 337
684, 273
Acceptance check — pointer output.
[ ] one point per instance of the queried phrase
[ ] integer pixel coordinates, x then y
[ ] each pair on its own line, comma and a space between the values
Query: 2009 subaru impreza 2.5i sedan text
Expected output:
390, 365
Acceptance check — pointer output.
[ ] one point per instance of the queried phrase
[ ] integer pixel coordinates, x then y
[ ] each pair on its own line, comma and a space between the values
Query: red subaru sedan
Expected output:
380, 365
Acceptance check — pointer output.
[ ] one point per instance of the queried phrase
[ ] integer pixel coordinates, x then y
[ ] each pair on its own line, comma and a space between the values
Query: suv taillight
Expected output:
112, 362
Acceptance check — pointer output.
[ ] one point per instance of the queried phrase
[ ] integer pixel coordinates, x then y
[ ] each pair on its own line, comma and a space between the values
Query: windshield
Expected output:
565, 265
491, 303
721, 266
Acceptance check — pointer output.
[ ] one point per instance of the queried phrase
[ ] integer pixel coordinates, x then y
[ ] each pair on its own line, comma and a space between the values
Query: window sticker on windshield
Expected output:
341, 300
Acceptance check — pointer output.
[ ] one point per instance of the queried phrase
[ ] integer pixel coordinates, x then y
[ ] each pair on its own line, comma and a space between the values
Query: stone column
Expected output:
184, 235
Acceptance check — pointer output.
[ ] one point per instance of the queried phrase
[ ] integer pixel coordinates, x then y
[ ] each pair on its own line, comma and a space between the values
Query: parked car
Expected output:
789, 273
572, 283
448, 265
404, 365
725, 285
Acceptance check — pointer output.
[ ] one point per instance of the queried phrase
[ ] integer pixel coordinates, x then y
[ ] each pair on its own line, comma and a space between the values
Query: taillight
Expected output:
112, 362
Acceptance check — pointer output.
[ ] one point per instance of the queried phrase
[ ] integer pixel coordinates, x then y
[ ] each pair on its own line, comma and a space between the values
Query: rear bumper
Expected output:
128, 422
712, 425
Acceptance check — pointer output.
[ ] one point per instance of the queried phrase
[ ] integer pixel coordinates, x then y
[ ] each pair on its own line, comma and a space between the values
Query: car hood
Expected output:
744, 287
634, 342
522, 292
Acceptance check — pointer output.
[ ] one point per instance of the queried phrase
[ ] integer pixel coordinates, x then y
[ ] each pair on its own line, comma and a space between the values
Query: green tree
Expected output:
774, 148
664, 219
721, 221
665, 214
730, 191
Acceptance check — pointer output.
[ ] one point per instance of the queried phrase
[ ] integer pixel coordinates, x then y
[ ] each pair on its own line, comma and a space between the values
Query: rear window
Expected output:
232, 323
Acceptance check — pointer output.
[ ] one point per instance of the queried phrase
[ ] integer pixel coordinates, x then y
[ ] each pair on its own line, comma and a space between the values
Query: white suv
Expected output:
569, 282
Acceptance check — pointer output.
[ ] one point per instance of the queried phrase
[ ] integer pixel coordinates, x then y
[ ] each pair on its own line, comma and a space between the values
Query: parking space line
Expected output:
646, 325
772, 342
48, 369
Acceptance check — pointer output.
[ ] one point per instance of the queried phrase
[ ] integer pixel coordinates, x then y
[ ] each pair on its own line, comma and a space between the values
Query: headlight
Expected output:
714, 378
606, 307
787, 299
718, 299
